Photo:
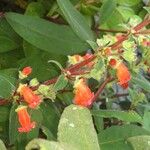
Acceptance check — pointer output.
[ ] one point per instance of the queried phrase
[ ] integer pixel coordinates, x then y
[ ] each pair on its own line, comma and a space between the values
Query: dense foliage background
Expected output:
45, 34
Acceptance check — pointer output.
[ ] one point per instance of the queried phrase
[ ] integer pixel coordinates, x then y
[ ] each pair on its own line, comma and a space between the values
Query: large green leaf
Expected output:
106, 10
9, 40
7, 86
41, 144
140, 142
76, 128
76, 20
130, 116
46, 35
115, 137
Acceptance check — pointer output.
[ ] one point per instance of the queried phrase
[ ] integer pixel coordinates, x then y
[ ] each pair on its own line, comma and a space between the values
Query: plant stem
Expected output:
99, 91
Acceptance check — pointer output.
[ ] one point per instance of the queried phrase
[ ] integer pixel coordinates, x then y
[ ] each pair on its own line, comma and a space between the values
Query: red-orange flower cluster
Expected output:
83, 94
30, 97
123, 73
24, 120
27, 71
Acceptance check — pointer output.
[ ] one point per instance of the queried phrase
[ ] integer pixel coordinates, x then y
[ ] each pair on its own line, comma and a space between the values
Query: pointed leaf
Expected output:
46, 35
130, 116
76, 20
76, 128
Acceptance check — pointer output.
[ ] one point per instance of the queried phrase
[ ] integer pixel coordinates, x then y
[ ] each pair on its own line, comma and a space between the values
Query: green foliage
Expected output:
76, 20
116, 137
47, 145
106, 10
76, 128
130, 116
61, 83
140, 142
46, 35
7, 86
42, 34
9, 40
2, 146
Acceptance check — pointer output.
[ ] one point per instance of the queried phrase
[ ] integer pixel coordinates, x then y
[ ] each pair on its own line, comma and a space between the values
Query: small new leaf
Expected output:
98, 71
47, 91
129, 51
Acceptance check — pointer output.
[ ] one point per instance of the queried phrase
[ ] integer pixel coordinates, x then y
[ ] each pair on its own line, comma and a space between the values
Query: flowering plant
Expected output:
80, 85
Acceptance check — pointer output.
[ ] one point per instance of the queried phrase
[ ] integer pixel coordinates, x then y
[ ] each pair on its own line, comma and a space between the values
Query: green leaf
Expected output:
128, 2
130, 116
129, 51
10, 59
98, 70
76, 20
140, 142
35, 9
42, 144
141, 82
76, 128
9, 40
106, 10
146, 120
7, 44
7, 86
50, 117
148, 9
2, 146
61, 83
46, 35
4, 113
13, 124
48, 133
120, 15
115, 137
98, 121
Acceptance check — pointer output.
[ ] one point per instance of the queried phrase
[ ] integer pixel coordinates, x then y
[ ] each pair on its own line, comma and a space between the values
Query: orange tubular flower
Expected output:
32, 99
123, 73
27, 71
83, 94
24, 120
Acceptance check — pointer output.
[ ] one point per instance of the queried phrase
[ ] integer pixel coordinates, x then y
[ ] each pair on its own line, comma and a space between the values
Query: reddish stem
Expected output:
3, 102
81, 64
101, 88
142, 24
